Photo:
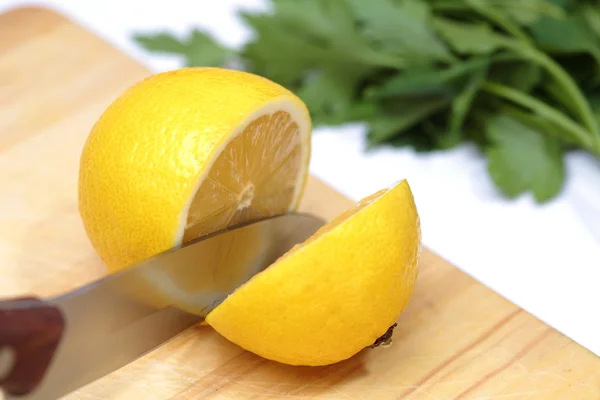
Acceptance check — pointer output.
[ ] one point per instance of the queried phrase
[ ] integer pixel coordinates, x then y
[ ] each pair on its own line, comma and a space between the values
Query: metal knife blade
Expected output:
112, 322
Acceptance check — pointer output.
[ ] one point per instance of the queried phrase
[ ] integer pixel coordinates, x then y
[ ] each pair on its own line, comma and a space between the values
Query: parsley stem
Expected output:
582, 107
575, 130
500, 20
496, 18
368, 56
543, 8
491, 12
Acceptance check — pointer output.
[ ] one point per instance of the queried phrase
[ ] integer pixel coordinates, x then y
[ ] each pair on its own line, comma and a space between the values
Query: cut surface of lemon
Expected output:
188, 152
335, 294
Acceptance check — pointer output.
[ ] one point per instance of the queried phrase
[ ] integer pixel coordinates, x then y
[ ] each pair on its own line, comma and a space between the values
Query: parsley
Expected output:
197, 49
521, 158
520, 78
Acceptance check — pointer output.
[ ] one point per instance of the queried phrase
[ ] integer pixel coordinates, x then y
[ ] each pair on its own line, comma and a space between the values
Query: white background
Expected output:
544, 258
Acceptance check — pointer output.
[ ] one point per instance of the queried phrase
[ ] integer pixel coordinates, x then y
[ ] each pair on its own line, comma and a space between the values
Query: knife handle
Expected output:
30, 330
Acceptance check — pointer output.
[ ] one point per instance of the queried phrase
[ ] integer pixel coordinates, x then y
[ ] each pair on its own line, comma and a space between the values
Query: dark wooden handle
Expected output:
30, 329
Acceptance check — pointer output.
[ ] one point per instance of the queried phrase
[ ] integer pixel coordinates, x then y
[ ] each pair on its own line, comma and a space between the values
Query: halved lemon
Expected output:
335, 294
188, 152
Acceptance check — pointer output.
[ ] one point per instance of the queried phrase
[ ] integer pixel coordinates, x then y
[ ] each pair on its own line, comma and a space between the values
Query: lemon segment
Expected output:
335, 294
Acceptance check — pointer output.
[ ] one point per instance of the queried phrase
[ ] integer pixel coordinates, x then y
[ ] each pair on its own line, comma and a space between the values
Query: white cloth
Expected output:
545, 258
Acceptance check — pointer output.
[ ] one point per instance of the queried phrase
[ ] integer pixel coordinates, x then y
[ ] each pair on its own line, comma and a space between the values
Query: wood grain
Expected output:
456, 340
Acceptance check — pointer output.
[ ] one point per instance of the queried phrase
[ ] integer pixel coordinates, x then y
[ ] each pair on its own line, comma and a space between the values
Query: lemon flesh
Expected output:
335, 294
255, 176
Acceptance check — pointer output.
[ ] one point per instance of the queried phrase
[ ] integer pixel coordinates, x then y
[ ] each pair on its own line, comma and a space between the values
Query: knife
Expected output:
50, 347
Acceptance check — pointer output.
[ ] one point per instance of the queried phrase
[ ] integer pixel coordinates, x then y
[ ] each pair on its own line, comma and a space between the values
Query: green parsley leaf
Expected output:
385, 126
537, 122
161, 42
524, 12
331, 97
419, 140
592, 16
522, 159
523, 76
426, 136
469, 38
279, 53
564, 4
401, 27
202, 50
566, 35
309, 35
199, 49
594, 101
430, 80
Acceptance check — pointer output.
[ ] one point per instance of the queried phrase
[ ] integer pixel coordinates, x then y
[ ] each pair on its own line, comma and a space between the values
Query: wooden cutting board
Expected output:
456, 340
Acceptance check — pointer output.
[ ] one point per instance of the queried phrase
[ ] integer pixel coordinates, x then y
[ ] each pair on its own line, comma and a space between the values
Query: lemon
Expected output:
337, 293
187, 152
